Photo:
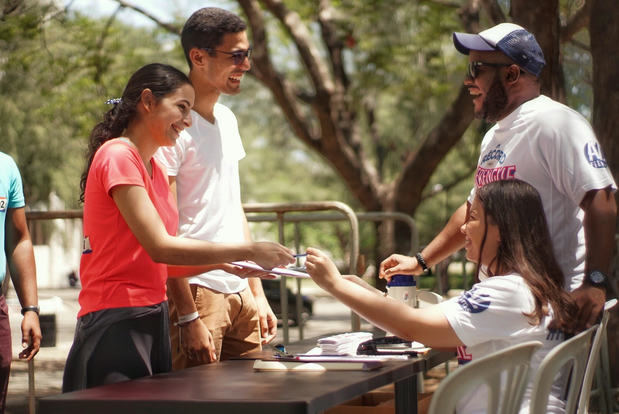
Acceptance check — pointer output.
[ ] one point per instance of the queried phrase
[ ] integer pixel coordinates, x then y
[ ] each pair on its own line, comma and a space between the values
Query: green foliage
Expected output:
404, 61
57, 71
278, 168
58, 67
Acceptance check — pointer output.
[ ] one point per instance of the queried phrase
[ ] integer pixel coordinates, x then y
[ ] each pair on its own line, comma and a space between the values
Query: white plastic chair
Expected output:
592, 362
574, 352
511, 364
427, 298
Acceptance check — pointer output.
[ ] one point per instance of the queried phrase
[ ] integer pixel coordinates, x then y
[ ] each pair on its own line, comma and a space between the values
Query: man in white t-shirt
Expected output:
544, 143
234, 315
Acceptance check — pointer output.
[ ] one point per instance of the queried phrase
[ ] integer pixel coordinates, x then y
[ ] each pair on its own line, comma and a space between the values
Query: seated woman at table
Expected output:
130, 222
507, 235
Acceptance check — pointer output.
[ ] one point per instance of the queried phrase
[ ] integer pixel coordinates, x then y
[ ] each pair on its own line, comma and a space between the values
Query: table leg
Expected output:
406, 396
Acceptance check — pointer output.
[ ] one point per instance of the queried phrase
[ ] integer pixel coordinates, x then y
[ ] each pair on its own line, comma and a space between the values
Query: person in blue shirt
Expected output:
18, 253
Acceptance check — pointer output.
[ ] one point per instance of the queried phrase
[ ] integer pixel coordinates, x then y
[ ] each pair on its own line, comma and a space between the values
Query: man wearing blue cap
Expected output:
545, 143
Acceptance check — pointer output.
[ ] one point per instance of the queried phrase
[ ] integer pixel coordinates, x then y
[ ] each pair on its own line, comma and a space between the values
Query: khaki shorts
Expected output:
232, 319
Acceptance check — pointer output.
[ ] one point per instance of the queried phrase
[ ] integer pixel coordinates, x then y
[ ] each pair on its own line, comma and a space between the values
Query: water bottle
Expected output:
404, 289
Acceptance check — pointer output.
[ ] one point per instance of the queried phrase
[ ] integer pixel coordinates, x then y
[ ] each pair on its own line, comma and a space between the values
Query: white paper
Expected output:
280, 271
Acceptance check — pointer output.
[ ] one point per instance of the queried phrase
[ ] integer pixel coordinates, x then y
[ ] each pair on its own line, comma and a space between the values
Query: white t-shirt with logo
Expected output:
553, 148
490, 317
205, 161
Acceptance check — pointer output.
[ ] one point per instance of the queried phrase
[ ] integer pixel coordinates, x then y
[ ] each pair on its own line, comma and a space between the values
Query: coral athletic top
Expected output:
115, 270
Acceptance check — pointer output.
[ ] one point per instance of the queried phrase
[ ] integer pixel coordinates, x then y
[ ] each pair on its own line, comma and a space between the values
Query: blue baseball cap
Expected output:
513, 40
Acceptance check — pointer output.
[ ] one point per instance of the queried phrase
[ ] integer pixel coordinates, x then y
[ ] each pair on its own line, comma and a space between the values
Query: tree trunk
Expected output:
542, 19
604, 33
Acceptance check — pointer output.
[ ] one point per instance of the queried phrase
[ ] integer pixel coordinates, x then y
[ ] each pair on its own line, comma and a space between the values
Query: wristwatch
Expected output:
597, 279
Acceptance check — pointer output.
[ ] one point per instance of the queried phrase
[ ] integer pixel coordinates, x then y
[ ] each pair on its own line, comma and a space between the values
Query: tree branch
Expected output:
338, 142
456, 180
494, 11
317, 70
167, 26
334, 44
99, 58
444, 3
420, 165
262, 68
579, 21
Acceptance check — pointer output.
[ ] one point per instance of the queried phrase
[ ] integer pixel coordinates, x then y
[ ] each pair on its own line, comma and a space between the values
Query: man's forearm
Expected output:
255, 285
23, 273
20, 256
449, 240
180, 293
599, 224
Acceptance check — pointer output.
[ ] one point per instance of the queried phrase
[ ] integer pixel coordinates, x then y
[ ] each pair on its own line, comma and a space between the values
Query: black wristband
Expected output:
34, 309
421, 262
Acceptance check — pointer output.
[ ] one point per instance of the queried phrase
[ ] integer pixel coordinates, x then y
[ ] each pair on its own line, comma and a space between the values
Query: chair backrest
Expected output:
594, 355
427, 298
575, 351
511, 364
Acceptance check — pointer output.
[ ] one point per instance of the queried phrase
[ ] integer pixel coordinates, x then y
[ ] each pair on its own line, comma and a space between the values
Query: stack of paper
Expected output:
343, 344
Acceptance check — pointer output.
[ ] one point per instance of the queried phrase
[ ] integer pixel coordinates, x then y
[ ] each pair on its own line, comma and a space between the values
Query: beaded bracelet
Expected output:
421, 262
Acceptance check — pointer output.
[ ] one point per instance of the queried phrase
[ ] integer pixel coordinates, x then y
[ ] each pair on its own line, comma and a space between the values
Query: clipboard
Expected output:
279, 271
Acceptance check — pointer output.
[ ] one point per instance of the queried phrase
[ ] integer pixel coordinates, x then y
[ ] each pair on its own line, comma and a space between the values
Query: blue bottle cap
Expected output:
402, 280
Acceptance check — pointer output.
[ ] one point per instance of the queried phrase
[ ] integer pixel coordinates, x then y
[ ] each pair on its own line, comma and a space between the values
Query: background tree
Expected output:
375, 88
57, 69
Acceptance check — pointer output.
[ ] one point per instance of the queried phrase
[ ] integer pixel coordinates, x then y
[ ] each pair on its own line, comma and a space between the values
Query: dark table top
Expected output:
234, 387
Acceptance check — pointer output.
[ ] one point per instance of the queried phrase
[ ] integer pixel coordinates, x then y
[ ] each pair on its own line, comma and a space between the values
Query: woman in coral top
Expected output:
130, 220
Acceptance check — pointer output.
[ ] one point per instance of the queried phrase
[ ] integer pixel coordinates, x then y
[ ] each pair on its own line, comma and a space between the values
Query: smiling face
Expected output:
220, 71
171, 114
475, 229
490, 98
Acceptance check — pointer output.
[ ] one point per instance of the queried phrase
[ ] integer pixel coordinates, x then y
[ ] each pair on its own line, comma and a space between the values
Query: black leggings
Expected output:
128, 349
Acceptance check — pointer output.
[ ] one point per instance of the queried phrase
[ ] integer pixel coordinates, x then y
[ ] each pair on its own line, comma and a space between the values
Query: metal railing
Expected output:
300, 218
292, 213
272, 212
283, 214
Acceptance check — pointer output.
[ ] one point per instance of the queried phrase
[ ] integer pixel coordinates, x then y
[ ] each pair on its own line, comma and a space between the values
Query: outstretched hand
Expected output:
398, 264
245, 272
322, 269
269, 255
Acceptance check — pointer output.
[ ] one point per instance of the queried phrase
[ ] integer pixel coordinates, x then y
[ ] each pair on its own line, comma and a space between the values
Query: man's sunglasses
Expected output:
473, 70
238, 56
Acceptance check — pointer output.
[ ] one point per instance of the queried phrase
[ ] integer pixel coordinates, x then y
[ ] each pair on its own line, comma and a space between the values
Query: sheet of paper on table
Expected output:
279, 271
315, 364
